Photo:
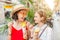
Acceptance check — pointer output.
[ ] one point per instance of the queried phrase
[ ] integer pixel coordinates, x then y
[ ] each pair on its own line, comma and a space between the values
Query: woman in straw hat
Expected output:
17, 29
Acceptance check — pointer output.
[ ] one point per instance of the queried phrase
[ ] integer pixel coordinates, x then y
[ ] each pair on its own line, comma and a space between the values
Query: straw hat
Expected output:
18, 7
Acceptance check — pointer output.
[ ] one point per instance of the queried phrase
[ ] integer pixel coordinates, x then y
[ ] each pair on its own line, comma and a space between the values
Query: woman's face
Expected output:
37, 18
21, 15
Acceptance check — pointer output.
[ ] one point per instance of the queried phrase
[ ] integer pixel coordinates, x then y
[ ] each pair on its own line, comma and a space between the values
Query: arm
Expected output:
36, 32
24, 34
9, 31
29, 27
36, 36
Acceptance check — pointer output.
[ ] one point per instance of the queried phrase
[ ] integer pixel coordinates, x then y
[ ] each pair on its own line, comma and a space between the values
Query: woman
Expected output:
17, 29
41, 31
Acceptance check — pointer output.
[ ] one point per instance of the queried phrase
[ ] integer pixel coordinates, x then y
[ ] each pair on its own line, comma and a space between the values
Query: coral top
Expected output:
17, 34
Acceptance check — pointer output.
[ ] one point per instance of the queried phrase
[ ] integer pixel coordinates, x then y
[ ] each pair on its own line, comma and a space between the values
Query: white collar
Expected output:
41, 28
14, 25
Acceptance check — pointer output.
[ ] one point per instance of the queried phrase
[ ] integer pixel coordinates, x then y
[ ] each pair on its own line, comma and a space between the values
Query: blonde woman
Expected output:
41, 31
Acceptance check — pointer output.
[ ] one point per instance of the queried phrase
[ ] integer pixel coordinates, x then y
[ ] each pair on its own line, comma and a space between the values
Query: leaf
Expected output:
30, 16
31, 1
22, 2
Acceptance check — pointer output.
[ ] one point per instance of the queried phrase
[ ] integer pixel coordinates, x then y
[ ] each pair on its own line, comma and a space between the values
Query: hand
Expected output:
29, 25
9, 37
10, 24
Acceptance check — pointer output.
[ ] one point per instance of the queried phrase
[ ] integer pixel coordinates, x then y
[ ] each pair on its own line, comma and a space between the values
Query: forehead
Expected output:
36, 14
22, 12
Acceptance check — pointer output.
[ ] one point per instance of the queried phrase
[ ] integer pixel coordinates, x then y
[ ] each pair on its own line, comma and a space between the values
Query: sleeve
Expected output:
49, 34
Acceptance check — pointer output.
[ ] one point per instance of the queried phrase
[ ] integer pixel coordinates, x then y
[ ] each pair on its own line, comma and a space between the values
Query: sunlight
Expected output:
50, 3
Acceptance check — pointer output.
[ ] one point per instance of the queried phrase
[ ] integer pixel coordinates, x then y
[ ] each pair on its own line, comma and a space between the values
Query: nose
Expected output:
22, 18
34, 18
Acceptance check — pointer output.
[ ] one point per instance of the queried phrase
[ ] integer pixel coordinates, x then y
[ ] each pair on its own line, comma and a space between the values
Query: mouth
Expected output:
34, 20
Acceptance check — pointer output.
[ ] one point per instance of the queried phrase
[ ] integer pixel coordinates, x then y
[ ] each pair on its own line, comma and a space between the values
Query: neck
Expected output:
18, 22
40, 24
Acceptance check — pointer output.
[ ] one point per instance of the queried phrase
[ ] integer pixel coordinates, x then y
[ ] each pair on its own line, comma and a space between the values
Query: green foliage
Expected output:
22, 2
8, 19
48, 13
3, 28
30, 16
31, 1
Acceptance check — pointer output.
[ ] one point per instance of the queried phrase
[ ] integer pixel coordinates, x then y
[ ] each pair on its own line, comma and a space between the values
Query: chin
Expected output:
21, 20
36, 22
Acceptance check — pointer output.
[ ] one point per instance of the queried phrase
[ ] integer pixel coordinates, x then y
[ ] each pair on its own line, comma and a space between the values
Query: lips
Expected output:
35, 20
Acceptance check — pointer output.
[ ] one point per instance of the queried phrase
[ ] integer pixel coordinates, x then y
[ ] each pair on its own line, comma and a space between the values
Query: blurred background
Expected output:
6, 7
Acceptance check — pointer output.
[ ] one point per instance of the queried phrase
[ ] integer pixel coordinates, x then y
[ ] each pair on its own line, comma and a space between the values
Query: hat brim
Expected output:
13, 12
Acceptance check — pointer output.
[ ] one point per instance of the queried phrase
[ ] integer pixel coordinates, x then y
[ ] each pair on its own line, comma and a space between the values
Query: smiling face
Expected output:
37, 18
40, 16
22, 15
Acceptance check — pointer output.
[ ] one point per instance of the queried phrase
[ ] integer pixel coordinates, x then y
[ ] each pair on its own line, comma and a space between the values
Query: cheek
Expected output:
36, 19
20, 18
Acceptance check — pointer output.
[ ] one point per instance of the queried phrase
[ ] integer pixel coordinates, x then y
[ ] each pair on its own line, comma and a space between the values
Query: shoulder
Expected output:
10, 24
49, 29
29, 24
35, 27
